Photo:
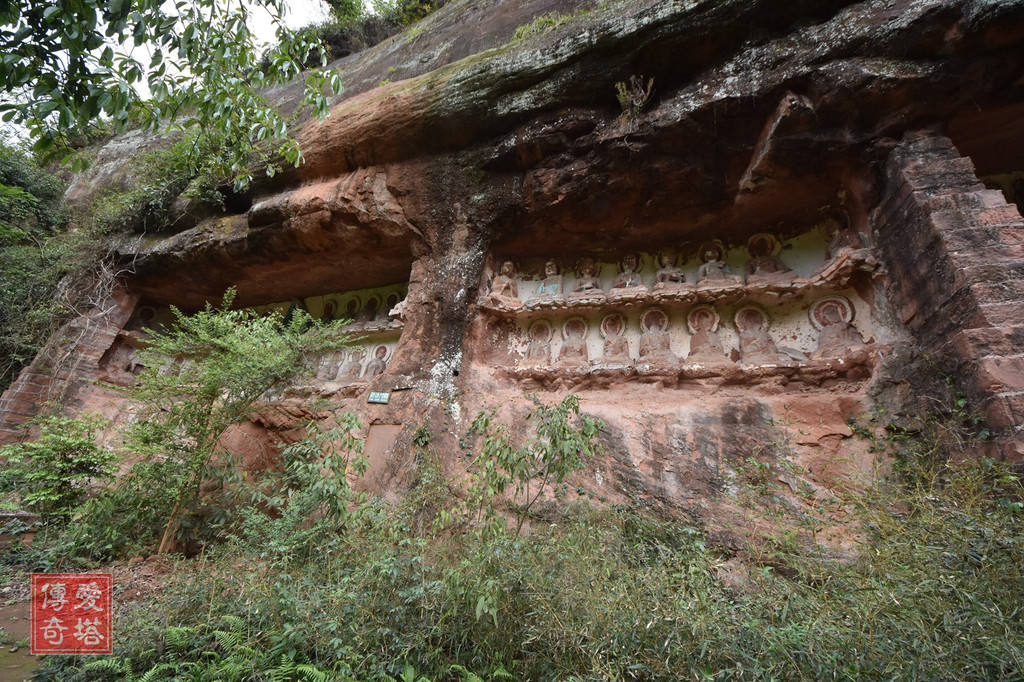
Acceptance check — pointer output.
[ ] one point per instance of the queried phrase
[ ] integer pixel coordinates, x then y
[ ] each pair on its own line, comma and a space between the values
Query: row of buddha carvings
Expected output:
831, 317
764, 267
370, 312
354, 364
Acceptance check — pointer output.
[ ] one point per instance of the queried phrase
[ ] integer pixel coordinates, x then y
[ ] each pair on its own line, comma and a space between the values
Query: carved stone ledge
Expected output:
853, 366
372, 329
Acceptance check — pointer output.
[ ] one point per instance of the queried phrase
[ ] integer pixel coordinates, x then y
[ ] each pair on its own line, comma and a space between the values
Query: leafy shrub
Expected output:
49, 474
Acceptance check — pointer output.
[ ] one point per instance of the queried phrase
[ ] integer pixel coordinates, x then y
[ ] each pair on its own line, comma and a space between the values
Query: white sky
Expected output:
299, 13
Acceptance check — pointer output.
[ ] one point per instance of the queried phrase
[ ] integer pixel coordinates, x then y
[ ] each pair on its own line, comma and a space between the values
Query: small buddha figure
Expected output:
351, 309
765, 266
390, 303
376, 366
669, 277
368, 314
574, 344
144, 319
628, 281
397, 311
351, 370
714, 271
538, 353
330, 365
588, 285
705, 346
841, 240
504, 287
655, 344
756, 344
551, 286
833, 317
616, 347
328, 312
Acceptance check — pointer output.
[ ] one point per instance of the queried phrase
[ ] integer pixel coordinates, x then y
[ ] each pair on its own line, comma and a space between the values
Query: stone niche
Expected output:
765, 310
376, 326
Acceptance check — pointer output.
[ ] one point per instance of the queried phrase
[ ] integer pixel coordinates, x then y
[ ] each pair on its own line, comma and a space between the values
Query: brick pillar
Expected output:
954, 252
70, 358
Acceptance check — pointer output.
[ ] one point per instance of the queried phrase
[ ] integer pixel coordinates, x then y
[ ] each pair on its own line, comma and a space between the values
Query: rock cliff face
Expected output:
810, 210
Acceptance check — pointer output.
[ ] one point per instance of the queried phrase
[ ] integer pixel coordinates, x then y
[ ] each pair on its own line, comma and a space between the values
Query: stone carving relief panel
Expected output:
766, 304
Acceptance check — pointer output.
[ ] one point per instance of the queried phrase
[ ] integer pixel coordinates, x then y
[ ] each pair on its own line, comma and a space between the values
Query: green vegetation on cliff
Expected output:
33, 257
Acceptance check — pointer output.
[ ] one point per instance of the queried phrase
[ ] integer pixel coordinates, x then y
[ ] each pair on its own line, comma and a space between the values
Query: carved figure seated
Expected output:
351, 310
846, 249
505, 288
833, 317
841, 239
756, 344
655, 344
351, 370
369, 312
330, 365
669, 277
714, 272
588, 285
539, 350
376, 366
574, 343
616, 347
628, 282
765, 266
550, 287
705, 346
391, 303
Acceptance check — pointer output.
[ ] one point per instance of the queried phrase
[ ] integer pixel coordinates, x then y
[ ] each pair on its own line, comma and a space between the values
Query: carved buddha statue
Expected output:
504, 287
669, 277
765, 266
628, 280
351, 370
330, 365
616, 347
539, 350
551, 286
756, 344
574, 343
842, 240
376, 366
833, 317
588, 285
714, 271
705, 346
655, 344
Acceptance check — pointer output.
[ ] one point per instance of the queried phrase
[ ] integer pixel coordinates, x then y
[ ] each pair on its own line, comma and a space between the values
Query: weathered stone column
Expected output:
955, 257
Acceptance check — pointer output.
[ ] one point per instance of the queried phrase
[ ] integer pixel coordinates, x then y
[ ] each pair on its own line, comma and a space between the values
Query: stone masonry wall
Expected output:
954, 252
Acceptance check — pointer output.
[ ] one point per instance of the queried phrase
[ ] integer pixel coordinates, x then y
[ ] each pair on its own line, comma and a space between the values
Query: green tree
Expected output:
208, 372
48, 473
33, 257
565, 438
63, 64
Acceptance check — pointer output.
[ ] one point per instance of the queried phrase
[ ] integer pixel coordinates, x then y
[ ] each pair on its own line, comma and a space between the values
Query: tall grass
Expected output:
608, 594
